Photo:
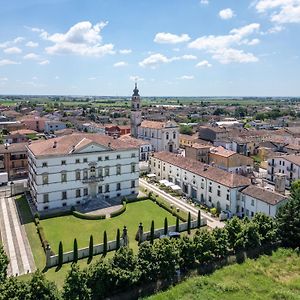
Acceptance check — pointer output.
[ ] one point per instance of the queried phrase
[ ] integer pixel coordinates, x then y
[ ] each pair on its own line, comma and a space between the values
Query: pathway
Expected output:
211, 222
14, 239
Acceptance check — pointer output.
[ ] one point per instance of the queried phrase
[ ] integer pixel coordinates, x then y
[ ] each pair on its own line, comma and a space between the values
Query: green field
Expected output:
268, 277
67, 228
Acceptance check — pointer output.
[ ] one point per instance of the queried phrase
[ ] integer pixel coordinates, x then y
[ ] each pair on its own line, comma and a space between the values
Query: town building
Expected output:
77, 168
51, 126
13, 160
212, 133
19, 136
189, 140
198, 152
136, 113
254, 199
34, 123
206, 184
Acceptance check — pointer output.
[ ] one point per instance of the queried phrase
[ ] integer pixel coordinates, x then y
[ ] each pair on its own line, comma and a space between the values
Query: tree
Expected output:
199, 219
233, 227
75, 287
104, 243
3, 264
189, 223
60, 254
204, 246
185, 129
186, 253
118, 239
177, 225
267, 228
220, 236
152, 232
75, 251
288, 219
166, 226
248, 238
91, 248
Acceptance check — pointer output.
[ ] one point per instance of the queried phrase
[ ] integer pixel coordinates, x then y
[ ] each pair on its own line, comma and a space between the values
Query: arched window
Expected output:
174, 135
93, 171
167, 135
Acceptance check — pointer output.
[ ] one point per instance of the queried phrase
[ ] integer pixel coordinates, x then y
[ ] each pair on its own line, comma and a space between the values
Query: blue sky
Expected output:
172, 47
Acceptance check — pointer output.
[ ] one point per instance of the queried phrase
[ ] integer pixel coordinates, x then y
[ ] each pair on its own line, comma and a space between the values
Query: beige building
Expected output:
198, 152
230, 161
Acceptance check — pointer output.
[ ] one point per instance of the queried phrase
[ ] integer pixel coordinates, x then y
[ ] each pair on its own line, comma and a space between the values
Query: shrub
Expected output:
213, 211
189, 223
118, 239
80, 215
119, 211
42, 236
75, 251
91, 247
177, 224
152, 232
104, 243
60, 254
166, 226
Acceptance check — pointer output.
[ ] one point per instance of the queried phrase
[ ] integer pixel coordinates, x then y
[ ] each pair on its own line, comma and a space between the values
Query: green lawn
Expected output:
67, 228
269, 277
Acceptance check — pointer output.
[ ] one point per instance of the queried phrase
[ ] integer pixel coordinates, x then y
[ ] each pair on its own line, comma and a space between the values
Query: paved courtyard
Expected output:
14, 238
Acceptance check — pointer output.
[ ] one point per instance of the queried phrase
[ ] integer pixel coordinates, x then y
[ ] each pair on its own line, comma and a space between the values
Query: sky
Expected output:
170, 47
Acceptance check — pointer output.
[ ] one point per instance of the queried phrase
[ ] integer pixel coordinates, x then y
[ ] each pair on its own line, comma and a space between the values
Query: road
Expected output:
211, 222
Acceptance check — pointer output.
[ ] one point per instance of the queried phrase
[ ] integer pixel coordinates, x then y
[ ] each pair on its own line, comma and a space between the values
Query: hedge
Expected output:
80, 215
119, 211
42, 236
56, 214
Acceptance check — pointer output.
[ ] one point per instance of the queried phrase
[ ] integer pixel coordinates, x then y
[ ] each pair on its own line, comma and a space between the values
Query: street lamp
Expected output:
11, 188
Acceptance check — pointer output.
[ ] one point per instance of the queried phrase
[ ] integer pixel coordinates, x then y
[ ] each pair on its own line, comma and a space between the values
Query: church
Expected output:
163, 136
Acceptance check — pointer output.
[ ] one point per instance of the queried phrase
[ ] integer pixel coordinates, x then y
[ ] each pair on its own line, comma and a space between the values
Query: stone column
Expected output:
48, 255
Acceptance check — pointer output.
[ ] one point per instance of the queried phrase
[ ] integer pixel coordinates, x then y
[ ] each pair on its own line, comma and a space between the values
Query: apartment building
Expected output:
76, 168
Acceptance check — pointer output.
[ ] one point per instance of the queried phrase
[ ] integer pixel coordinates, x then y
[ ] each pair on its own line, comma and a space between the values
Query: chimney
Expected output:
54, 144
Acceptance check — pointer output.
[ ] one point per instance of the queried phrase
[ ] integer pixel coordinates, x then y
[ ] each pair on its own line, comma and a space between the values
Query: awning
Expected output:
163, 181
168, 183
175, 187
151, 175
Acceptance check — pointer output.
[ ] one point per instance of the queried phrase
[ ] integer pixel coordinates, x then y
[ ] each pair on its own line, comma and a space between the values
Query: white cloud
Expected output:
203, 64
12, 42
154, 60
32, 44
92, 78
44, 62
226, 56
187, 77
82, 39
12, 50
120, 64
31, 56
5, 62
253, 42
226, 14
204, 2
169, 38
281, 11
222, 46
136, 78
18, 39
125, 51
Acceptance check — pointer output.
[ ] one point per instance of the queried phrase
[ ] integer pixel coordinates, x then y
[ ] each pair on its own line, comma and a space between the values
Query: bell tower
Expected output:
136, 114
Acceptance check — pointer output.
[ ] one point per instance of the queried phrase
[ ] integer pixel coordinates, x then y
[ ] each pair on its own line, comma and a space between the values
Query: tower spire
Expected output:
135, 91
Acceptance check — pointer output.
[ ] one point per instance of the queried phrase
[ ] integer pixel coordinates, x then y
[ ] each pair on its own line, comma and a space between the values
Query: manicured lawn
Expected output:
269, 277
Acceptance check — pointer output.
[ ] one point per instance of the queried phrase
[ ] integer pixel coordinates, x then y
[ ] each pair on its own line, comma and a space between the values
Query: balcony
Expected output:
92, 179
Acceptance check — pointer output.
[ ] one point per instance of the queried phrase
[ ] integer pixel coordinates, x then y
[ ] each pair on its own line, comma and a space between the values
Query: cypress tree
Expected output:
177, 225
118, 239
91, 247
75, 251
60, 254
199, 218
104, 243
152, 232
166, 226
189, 223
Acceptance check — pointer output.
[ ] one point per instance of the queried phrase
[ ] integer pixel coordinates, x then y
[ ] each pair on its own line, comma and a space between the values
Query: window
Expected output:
167, 135
64, 195
227, 207
118, 186
164, 168
45, 164
107, 171
106, 188
174, 135
118, 169
252, 214
45, 198
252, 202
202, 185
209, 189
78, 193
118, 156
63, 162
227, 197
132, 168
77, 175
133, 183
93, 171
106, 157
85, 191
85, 174
85, 160
45, 179
100, 172
219, 193
209, 198
132, 154
100, 189
77, 161
64, 177
99, 158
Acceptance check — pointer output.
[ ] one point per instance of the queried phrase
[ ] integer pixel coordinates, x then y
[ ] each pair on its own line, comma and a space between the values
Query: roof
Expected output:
215, 129
133, 141
12, 148
212, 173
293, 158
200, 146
68, 143
264, 195
154, 124
222, 151
23, 131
